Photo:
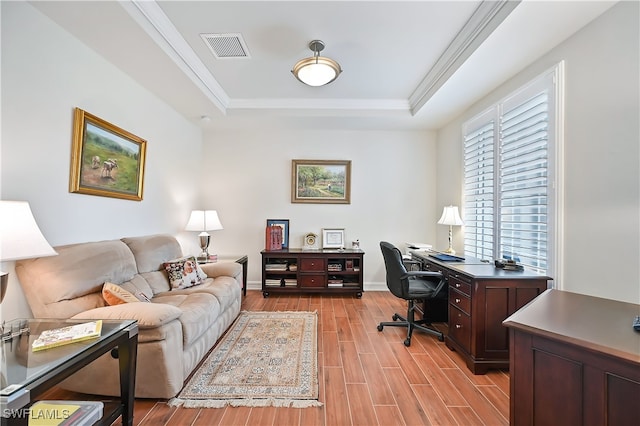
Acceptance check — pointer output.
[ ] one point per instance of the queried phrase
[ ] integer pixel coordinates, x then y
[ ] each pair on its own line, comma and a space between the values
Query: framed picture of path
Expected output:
321, 181
105, 160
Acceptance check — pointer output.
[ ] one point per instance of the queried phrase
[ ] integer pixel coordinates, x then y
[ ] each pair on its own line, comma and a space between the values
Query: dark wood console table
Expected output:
575, 360
312, 271
481, 296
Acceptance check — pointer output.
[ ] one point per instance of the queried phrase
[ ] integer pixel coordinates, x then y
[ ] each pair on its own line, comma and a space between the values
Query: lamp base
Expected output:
450, 250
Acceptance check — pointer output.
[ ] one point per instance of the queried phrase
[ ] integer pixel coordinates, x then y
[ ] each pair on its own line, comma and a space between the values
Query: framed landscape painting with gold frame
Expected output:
321, 181
106, 160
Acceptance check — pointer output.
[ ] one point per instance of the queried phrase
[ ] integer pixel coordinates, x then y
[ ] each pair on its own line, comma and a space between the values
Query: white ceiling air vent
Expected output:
223, 46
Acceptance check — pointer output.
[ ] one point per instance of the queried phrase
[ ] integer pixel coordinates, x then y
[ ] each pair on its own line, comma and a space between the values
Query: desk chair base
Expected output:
411, 324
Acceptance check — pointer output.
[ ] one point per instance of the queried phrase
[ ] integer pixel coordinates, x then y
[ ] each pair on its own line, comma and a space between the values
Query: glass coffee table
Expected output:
25, 374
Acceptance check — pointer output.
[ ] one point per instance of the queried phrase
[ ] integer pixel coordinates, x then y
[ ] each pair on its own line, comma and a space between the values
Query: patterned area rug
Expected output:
265, 359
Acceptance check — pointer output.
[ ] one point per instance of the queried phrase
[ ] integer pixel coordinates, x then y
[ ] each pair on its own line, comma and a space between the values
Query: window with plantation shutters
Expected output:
508, 177
524, 130
478, 209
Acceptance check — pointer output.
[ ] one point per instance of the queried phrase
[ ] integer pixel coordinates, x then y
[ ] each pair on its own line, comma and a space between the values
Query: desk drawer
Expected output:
460, 327
460, 301
459, 284
311, 280
432, 267
313, 264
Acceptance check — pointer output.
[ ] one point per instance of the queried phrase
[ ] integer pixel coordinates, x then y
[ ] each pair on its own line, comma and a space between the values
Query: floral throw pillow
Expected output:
184, 272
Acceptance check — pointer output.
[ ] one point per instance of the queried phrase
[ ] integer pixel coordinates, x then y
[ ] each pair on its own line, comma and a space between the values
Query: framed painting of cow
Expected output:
105, 159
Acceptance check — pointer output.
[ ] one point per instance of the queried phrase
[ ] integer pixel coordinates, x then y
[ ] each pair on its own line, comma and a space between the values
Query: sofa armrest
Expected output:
148, 315
229, 269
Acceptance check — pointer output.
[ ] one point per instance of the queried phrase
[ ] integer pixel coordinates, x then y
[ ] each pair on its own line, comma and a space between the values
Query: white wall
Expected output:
45, 74
602, 153
248, 180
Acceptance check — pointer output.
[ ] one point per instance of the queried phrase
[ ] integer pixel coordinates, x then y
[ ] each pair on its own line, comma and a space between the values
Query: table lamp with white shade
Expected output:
20, 237
203, 221
450, 216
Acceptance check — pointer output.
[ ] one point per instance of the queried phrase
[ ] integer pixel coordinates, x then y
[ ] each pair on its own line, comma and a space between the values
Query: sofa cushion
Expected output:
150, 252
199, 311
148, 315
139, 287
77, 270
184, 272
115, 295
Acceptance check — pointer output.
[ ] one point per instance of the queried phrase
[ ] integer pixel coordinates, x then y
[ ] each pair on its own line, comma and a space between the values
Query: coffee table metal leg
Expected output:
127, 359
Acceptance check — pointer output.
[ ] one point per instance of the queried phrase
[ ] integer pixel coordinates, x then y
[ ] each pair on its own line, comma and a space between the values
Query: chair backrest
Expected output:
397, 279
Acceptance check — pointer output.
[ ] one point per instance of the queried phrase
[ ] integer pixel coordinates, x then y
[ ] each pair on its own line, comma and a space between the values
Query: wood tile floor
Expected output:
366, 377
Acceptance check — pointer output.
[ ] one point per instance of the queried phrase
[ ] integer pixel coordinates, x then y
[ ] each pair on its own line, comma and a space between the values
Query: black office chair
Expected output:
414, 287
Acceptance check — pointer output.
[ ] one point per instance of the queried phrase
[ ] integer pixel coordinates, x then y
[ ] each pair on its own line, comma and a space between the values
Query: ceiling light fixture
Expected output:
316, 70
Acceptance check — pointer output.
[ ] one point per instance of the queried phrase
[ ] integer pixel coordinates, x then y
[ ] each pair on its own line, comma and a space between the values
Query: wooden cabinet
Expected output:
316, 271
575, 360
481, 296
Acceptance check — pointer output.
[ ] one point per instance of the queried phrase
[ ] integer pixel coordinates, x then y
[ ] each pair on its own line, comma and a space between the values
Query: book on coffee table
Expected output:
65, 413
65, 335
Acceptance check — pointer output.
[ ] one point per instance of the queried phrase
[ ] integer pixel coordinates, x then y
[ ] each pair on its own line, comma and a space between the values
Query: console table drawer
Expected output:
311, 280
460, 327
312, 264
460, 301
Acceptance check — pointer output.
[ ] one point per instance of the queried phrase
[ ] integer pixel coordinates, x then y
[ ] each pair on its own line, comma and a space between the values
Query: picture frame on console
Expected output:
321, 181
284, 224
332, 238
106, 160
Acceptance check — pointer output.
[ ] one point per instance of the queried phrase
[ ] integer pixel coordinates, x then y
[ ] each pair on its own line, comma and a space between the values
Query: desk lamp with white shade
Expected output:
20, 237
203, 221
450, 216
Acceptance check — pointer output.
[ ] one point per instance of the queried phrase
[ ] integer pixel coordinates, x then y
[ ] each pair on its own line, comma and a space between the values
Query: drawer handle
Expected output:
458, 326
458, 285
458, 300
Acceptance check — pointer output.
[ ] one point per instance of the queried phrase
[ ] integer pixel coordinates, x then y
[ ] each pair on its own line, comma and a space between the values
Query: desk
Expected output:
27, 374
575, 359
481, 296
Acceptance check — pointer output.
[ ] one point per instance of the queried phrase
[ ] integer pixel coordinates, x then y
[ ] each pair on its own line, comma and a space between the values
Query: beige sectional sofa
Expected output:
176, 328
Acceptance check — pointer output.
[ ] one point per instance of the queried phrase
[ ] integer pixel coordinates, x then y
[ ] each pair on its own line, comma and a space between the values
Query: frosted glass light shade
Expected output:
20, 236
316, 71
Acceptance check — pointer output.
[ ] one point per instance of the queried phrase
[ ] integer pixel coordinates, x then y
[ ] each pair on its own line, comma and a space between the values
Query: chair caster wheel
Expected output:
407, 342
380, 328
441, 338
395, 317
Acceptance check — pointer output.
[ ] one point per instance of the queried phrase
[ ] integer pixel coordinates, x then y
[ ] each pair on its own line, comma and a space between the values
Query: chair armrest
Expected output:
429, 274
424, 274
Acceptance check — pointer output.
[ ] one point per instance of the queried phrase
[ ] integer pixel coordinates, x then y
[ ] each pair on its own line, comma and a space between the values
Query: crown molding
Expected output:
156, 23
325, 107
485, 19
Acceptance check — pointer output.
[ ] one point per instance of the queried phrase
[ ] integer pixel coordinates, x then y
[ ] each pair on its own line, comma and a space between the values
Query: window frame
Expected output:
551, 81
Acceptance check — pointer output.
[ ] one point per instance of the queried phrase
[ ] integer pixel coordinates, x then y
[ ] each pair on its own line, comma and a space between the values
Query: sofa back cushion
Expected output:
150, 253
71, 282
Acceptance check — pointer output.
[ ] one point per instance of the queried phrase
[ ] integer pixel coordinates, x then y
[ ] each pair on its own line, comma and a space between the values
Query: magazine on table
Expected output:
69, 334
